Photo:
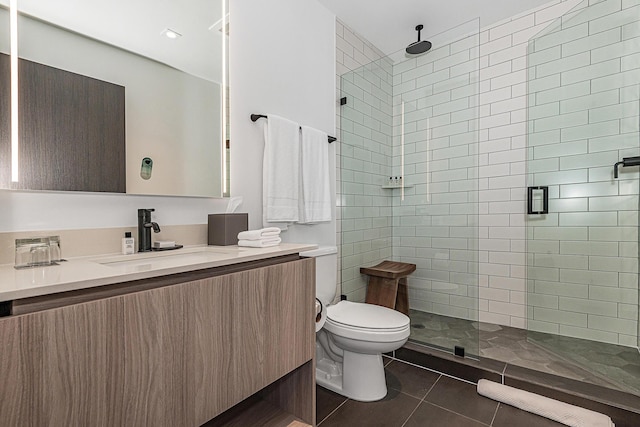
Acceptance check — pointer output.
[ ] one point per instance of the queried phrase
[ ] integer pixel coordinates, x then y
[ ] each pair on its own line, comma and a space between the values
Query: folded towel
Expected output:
280, 171
263, 243
315, 201
259, 234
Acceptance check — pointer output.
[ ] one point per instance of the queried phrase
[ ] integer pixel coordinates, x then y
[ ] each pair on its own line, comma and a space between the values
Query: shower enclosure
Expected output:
409, 184
495, 176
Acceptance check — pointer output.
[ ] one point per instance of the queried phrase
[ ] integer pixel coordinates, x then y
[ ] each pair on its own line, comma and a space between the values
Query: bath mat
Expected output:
561, 412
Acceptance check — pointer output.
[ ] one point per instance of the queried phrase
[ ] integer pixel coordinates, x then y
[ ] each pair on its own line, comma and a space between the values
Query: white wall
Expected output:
33, 211
282, 59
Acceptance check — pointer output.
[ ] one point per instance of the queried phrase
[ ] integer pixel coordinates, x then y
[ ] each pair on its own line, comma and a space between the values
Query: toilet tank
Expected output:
326, 271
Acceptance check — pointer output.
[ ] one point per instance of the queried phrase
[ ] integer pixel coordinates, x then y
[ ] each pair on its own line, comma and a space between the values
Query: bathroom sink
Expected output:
148, 261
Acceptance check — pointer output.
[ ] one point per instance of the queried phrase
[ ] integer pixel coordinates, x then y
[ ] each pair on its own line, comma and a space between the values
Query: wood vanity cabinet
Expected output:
176, 355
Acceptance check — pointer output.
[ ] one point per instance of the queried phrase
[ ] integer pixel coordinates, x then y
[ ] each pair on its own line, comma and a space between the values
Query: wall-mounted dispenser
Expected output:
145, 169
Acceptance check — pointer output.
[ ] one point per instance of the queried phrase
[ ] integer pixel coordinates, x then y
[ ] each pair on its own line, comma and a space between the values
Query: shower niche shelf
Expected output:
391, 187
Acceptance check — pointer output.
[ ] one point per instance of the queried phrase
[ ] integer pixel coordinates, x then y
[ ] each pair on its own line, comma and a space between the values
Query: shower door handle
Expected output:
545, 200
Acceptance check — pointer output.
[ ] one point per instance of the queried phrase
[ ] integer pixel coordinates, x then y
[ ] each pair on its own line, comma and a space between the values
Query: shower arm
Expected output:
627, 161
615, 169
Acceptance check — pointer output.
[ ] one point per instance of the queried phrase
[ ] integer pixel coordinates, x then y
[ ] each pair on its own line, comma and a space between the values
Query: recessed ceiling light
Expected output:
169, 33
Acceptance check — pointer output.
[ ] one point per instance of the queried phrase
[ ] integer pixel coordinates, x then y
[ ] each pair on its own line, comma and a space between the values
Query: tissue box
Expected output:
224, 228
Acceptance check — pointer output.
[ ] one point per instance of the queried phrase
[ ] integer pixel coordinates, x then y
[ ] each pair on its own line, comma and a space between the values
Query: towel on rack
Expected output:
263, 233
263, 243
280, 173
315, 200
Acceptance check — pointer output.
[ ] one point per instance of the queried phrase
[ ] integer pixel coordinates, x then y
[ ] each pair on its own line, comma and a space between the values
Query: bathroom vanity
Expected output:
217, 337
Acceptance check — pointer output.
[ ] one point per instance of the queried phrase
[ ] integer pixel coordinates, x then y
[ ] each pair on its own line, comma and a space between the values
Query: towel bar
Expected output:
255, 117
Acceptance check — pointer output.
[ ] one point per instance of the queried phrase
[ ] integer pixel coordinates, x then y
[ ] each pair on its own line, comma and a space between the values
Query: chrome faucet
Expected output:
144, 229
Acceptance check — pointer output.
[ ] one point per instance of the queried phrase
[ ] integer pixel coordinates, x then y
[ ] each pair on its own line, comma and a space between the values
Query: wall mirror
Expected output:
169, 57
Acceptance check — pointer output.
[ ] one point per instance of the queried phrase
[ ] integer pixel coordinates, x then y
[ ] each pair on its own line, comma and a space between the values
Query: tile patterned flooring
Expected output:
607, 365
417, 397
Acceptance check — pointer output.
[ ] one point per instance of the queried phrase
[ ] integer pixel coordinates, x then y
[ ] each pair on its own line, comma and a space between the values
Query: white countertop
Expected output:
89, 272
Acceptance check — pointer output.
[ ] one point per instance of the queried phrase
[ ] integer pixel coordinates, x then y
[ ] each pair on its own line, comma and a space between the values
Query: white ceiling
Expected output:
135, 25
390, 24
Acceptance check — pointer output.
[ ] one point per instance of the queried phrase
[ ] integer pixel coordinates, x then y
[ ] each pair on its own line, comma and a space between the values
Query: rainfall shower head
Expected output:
418, 47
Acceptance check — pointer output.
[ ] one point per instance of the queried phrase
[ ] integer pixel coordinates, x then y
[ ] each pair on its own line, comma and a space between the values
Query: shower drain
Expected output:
417, 326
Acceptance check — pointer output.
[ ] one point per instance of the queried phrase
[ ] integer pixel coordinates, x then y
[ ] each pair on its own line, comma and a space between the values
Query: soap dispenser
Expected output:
128, 244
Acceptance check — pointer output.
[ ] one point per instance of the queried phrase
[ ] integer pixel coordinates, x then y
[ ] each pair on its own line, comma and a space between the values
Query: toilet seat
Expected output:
366, 322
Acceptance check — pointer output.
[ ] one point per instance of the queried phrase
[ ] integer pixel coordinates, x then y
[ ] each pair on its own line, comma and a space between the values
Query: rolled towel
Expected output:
259, 234
561, 412
263, 243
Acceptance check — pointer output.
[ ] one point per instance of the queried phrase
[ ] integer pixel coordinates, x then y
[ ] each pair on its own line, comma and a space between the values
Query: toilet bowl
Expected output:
350, 344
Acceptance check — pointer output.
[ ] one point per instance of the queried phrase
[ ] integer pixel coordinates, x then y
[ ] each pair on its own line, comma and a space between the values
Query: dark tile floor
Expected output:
420, 398
603, 364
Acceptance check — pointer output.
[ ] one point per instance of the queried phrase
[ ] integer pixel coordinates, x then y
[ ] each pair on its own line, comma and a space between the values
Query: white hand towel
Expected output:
259, 234
263, 243
280, 173
315, 203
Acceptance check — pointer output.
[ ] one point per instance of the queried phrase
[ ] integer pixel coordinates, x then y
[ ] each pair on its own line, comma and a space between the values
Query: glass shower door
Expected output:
408, 182
435, 209
365, 149
582, 223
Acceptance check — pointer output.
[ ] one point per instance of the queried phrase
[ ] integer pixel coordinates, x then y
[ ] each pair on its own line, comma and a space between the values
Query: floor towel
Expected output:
553, 409
262, 243
315, 199
259, 234
280, 180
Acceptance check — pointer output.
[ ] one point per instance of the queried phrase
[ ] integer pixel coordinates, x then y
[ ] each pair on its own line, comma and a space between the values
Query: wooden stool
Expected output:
388, 284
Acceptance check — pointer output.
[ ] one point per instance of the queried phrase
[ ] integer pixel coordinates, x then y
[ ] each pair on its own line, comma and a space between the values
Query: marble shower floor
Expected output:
608, 365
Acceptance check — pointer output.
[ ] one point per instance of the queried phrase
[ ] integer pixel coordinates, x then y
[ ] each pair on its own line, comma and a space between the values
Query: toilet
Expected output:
350, 343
